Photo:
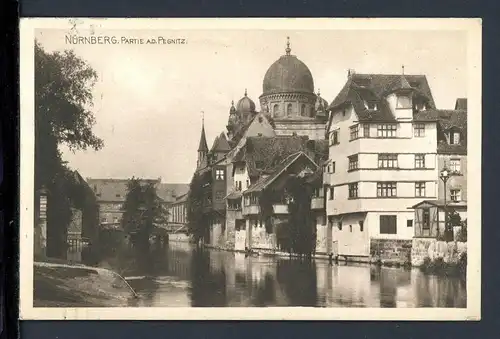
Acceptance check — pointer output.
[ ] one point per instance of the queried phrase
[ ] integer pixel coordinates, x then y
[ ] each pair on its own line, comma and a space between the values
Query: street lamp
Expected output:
444, 176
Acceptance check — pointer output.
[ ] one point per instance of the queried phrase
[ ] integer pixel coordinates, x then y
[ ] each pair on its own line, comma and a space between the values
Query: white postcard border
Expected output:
474, 47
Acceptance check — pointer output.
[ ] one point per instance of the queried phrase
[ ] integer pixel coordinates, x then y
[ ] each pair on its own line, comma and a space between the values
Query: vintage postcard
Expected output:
252, 169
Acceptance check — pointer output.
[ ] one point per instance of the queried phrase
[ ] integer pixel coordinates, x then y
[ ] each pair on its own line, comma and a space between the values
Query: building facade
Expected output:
177, 211
111, 194
291, 114
382, 159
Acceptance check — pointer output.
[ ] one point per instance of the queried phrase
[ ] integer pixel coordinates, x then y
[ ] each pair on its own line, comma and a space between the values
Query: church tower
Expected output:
202, 148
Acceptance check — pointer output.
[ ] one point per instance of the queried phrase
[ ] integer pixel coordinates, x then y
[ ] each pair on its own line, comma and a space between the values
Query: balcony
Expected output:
251, 210
280, 209
317, 203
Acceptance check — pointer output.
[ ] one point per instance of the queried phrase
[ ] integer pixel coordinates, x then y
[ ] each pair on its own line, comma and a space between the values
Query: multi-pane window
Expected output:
353, 162
419, 160
420, 189
366, 130
219, 195
419, 130
387, 161
334, 138
388, 224
455, 165
455, 195
386, 130
386, 189
219, 174
354, 132
409, 223
353, 190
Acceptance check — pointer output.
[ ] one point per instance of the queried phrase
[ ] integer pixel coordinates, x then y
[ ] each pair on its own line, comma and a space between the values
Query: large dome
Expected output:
288, 74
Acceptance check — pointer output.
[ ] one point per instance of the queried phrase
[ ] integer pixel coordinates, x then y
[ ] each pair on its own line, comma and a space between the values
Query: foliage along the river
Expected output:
298, 234
197, 220
63, 116
143, 210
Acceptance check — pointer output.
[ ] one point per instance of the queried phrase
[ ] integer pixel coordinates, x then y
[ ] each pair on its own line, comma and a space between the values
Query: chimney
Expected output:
350, 73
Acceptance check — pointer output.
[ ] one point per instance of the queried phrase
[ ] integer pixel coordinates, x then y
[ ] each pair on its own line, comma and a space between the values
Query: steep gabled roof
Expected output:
381, 84
447, 120
374, 88
114, 190
400, 83
171, 192
277, 171
262, 154
220, 144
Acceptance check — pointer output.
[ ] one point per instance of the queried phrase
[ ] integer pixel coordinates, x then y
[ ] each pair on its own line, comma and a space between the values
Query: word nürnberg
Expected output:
114, 40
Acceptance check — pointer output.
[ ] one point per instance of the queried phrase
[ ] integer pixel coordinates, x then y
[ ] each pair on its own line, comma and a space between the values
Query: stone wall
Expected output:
230, 230
391, 251
431, 248
263, 240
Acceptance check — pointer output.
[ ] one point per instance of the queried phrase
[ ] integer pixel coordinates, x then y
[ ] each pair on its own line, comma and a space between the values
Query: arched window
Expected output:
275, 109
289, 109
303, 110
311, 112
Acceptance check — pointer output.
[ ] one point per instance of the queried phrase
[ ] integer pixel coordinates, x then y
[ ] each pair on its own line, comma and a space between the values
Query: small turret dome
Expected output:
321, 104
232, 110
245, 104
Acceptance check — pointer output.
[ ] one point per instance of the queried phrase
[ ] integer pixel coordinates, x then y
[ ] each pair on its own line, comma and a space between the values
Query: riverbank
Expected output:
59, 283
431, 255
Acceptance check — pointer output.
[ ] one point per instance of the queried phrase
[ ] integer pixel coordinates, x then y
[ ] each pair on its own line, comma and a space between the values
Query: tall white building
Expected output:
382, 159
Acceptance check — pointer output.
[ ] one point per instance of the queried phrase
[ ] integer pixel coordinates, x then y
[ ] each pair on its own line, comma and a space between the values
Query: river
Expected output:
181, 275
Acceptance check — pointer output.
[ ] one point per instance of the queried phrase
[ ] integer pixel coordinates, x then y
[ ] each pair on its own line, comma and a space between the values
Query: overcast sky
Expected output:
148, 99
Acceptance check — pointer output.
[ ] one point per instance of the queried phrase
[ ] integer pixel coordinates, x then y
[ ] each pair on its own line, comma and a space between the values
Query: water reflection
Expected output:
181, 275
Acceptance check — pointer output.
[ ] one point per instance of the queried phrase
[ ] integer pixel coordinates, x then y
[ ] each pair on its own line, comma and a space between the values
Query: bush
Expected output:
462, 233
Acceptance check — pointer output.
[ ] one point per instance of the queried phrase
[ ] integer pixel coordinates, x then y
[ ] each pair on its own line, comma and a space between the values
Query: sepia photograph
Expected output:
250, 169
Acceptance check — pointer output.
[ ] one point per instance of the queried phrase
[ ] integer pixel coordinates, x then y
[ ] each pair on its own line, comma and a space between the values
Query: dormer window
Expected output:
371, 105
403, 102
454, 138
420, 106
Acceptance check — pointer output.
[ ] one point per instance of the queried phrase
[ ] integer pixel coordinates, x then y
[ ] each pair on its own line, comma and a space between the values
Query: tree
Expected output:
298, 234
63, 102
301, 223
143, 211
197, 220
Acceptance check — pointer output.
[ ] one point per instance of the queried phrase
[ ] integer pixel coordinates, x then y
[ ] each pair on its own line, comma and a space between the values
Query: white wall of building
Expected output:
351, 240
